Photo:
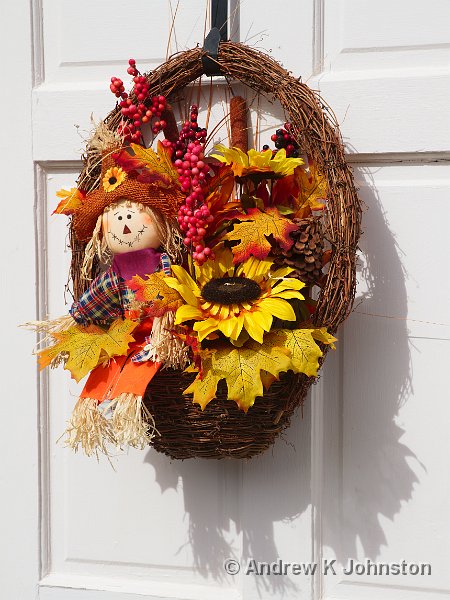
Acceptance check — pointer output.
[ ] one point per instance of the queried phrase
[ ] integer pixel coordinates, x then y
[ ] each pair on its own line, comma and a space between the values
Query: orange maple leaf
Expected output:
71, 201
158, 296
253, 231
220, 188
159, 162
222, 176
313, 187
219, 202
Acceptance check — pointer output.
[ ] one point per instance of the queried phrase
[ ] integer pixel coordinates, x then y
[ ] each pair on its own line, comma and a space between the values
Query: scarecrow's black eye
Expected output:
120, 218
128, 216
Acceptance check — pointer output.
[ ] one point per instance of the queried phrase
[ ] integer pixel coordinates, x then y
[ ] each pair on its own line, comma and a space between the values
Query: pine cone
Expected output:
305, 255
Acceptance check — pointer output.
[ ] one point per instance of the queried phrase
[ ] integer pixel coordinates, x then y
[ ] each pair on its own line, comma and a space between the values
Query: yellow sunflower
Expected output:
113, 177
248, 163
235, 300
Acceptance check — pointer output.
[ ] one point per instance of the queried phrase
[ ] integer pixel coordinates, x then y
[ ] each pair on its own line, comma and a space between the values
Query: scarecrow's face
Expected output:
126, 228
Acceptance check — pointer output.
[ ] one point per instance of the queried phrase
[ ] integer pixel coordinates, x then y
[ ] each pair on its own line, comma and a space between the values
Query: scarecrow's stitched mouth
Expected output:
136, 238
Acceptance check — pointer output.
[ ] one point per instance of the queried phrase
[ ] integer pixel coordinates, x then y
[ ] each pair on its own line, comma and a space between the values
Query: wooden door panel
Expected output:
383, 488
360, 474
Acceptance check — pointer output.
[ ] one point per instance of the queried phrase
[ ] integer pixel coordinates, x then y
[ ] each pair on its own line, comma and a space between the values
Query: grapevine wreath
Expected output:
193, 273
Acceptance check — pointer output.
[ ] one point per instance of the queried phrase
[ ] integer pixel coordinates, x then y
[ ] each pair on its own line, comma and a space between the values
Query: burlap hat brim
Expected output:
166, 200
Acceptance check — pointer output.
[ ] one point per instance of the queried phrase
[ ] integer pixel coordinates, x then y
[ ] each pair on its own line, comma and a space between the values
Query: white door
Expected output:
363, 476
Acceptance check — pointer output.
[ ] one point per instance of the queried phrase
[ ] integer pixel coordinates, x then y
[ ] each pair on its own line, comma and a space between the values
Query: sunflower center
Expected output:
231, 290
112, 180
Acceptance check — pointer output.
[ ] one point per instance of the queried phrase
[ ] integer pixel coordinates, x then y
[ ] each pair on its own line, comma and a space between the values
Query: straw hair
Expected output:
96, 248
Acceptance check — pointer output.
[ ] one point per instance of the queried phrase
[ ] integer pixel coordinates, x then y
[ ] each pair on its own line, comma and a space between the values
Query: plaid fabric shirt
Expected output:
108, 297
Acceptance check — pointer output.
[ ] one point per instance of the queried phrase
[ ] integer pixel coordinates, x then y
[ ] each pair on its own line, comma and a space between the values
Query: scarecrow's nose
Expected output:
126, 230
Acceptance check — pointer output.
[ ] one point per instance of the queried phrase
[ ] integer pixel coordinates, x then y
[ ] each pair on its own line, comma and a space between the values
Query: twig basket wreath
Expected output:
194, 407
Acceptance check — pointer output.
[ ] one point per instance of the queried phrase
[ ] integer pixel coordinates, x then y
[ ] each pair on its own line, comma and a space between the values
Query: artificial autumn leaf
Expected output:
284, 210
312, 188
285, 190
262, 192
267, 379
241, 368
253, 231
128, 162
222, 182
218, 200
155, 292
323, 336
71, 201
83, 348
137, 167
304, 351
204, 386
159, 162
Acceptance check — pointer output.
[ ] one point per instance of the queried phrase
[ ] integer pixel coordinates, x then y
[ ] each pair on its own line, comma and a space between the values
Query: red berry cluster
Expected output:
194, 214
283, 139
135, 113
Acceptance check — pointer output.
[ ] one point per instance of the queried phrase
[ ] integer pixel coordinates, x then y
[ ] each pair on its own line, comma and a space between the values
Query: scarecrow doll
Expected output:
128, 225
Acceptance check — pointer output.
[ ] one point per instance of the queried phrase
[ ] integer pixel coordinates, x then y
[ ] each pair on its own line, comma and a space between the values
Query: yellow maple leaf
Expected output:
83, 348
253, 231
204, 386
304, 352
313, 187
241, 368
71, 201
323, 336
158, 162
155, 292
267, 379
